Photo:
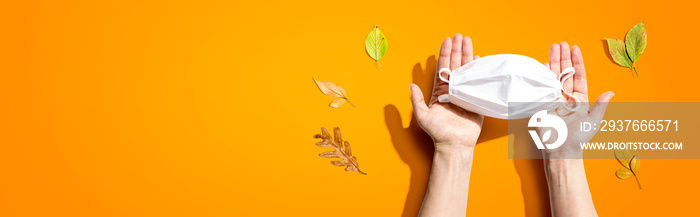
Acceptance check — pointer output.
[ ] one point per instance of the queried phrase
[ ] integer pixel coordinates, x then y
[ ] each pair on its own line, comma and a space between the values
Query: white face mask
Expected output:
486, 85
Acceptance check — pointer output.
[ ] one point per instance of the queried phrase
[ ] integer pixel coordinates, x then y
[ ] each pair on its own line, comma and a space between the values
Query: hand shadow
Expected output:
415, 147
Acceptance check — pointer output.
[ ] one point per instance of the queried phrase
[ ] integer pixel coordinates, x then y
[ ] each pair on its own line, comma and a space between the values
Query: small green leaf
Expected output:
616, 48
375, 44
636, 41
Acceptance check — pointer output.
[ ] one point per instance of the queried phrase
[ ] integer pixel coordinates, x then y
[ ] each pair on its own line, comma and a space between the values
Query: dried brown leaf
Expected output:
338, 135
347, 148
341, 150
332, 90
323, 144
339, 163
330, 154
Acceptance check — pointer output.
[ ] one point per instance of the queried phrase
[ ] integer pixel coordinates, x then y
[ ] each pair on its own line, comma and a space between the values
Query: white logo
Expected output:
542, 119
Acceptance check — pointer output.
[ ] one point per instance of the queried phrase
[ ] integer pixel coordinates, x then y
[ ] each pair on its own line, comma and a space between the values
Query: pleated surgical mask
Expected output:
486, 85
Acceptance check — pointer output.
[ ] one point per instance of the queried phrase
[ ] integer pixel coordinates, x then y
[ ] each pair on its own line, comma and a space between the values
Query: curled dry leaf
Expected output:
341, 149
631, 164
332, 90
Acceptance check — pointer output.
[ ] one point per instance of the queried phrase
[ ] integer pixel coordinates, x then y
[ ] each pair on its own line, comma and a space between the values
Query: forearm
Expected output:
568, 188
448, 185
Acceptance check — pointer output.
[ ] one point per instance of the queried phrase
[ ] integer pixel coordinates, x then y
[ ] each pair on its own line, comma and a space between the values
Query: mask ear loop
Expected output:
565, 75
444, 97
448, 73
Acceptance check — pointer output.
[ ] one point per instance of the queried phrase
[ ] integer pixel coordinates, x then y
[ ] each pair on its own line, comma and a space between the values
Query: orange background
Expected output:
207, 108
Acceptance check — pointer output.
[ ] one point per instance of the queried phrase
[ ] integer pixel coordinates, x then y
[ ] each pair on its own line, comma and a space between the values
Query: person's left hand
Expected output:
449, 125
560, 58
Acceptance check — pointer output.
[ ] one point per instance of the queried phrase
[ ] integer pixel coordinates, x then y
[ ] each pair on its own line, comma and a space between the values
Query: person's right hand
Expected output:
560, 58
449, 125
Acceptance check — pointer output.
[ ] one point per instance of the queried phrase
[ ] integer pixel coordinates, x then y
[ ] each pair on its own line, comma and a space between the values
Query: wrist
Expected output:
454, 152
562, 164
455, 145
562, 153
454, 160
559, 170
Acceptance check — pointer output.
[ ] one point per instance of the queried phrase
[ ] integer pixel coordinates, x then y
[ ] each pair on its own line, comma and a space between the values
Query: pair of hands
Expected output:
451, 126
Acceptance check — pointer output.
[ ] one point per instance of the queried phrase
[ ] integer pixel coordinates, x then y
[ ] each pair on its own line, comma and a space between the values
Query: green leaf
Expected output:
636, 41
616, 48
375, 44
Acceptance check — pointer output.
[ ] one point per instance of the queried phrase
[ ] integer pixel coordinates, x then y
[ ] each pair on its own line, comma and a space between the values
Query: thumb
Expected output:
601, 104
418, 102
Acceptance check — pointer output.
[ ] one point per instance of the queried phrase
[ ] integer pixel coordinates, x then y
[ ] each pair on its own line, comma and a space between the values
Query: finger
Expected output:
477, 57
546, 65
456, 56
439, 86
467, 50
566, 63
443, 61
554, 58
601, 105
444, 58
580, 83
418, 102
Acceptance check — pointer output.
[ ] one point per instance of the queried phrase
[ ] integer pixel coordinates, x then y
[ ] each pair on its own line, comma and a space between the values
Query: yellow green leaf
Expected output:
616, 48
623, 173
375, 44
635, 163
636, 41
623, 156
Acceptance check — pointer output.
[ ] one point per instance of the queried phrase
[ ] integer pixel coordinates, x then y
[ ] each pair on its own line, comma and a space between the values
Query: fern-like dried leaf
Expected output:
347, 148
330, 154
341, 149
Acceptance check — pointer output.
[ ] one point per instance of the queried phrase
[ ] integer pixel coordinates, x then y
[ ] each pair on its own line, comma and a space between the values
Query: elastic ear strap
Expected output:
444, 70
565, 75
